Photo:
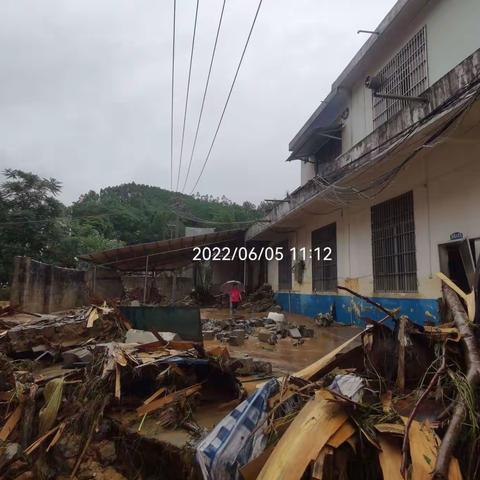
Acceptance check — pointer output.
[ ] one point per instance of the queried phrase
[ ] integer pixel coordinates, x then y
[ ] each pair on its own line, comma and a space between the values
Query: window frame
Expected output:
406, 74
394, 262
322, 281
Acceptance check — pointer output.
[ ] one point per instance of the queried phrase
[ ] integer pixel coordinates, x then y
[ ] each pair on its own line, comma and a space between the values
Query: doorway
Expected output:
457, 262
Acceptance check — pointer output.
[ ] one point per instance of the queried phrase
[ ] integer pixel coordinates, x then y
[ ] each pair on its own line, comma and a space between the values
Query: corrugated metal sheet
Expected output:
163, 254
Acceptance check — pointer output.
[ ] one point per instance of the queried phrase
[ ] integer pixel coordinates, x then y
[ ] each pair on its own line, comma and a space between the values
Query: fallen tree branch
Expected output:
371, 302
433, 382
472, 352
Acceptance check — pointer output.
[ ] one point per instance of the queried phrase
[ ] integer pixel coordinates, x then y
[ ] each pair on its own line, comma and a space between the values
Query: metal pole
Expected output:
94, 279
245, 268
174, 285
146, 281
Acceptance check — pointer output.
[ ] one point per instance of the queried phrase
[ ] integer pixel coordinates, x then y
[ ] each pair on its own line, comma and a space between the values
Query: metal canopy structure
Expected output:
318, 138
162, 255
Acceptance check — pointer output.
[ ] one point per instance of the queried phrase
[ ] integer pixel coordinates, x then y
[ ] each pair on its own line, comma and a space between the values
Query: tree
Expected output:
30, 216
81, 239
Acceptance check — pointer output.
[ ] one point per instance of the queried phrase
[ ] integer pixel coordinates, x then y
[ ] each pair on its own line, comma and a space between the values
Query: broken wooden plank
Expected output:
251, 470
40, 440
57, 436
309, 371
443, 333
172, 397
11, 423
318, 420
323, 465
118, 380
155, 395
392, 428
469, 298
402, 345
390, 457
92, 317
341, 435
424, 445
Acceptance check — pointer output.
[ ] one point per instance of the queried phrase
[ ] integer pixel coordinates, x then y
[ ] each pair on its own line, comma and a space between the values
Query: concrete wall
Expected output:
41, 288
445, 183
452, 35
104, 283
225, 271
307, 171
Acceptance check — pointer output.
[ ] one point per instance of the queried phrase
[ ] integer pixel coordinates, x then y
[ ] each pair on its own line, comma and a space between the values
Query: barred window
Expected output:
393, 245
285, 268
405, 74
324, 272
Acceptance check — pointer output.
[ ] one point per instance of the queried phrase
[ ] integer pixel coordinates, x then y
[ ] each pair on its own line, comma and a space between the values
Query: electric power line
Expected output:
228, 96
193, 218
173, 85
188, 92
204, 95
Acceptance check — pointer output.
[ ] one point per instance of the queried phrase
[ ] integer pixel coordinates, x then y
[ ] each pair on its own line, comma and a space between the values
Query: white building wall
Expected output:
445, 184
307, 172
452, 35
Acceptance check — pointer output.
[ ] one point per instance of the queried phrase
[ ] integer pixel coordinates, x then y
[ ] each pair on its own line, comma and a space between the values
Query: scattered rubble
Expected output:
268, 329
63, 414
401, 404
83, 396
261, 300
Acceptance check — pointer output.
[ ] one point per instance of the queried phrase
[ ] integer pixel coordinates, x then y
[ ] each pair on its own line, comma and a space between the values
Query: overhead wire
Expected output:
172, 92
193, 218
188, 92
207, 83
228, 96
345, 194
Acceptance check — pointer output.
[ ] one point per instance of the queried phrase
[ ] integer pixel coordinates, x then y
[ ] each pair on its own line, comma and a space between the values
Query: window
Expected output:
393, 245
324, 272
405, 74
285, 268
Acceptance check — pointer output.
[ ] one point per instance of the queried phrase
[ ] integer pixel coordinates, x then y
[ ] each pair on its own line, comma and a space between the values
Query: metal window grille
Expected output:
285, 268
393, 245
324, 272
405, 74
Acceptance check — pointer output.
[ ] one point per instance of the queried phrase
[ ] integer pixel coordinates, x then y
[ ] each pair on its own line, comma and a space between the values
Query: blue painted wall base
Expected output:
349, 310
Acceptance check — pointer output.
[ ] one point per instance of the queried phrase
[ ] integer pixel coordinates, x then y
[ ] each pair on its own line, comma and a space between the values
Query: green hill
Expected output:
135, 213
36, 224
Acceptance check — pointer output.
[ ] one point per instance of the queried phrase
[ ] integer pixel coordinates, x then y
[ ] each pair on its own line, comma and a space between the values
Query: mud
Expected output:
286, 357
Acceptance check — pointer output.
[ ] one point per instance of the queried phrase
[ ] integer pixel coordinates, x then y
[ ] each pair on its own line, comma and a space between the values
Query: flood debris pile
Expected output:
80, 391
268, 329
398, 400
261, 300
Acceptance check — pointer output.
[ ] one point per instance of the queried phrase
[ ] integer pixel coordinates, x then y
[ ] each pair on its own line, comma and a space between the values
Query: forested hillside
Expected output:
140, 213
35, 223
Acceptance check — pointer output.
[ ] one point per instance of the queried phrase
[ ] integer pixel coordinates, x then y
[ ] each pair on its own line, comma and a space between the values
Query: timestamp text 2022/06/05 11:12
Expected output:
225, 254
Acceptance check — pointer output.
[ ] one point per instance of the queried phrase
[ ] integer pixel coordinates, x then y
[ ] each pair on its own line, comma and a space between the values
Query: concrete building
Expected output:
390, 172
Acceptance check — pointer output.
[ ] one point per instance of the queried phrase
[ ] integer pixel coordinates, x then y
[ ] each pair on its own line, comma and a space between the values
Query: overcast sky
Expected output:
85, 88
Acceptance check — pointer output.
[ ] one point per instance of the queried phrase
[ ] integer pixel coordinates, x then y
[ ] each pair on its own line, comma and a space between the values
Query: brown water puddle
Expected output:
286, 357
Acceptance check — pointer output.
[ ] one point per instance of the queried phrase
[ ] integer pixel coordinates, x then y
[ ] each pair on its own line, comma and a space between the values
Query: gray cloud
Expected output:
85, 88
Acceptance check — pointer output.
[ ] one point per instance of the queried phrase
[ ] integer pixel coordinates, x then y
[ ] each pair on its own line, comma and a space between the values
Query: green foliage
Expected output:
28, 215
81, 239
34, 223
140, 213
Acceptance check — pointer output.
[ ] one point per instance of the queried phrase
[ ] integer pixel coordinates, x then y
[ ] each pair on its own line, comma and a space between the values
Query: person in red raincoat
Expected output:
235, 297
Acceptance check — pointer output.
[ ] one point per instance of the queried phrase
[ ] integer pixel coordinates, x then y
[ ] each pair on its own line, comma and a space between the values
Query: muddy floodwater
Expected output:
286, 356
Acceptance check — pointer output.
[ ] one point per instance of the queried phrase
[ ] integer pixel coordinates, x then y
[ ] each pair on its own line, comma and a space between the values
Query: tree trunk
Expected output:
472, 352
